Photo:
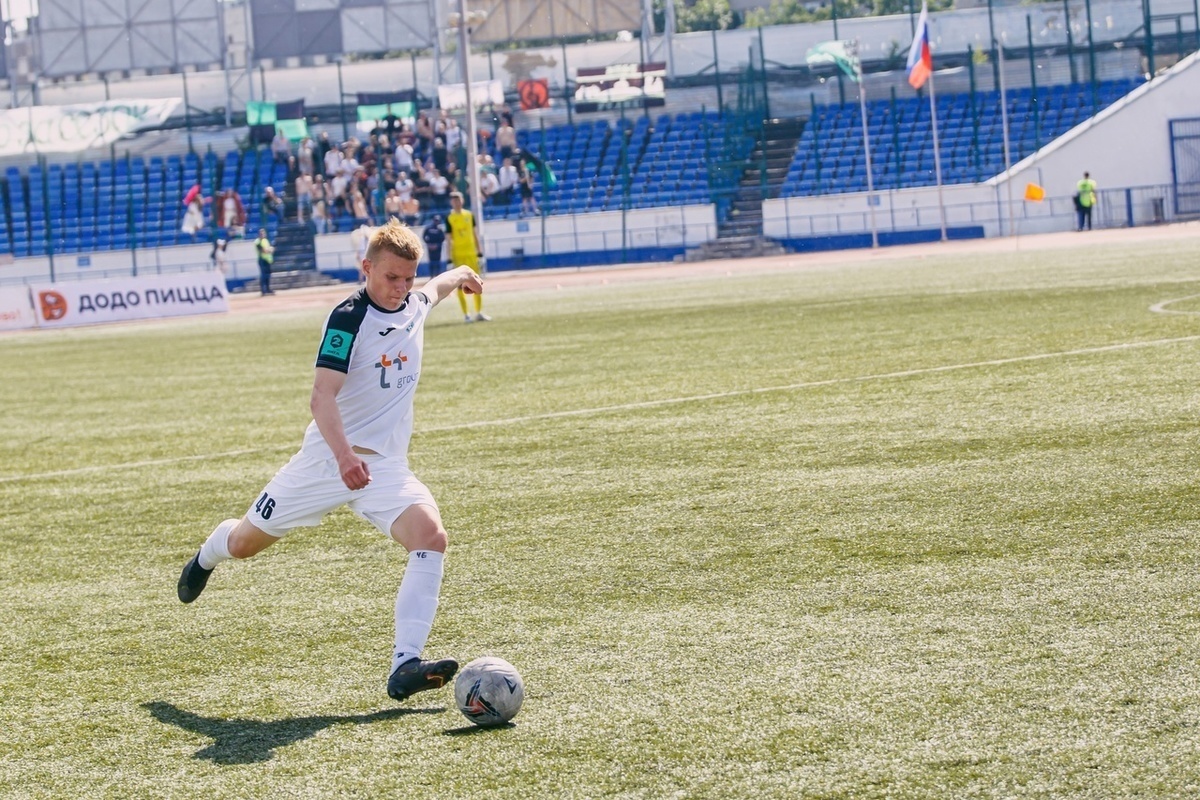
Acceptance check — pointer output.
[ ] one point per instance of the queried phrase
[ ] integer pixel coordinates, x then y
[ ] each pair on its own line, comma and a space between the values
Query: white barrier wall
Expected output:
688, 226
107, 264
16, 308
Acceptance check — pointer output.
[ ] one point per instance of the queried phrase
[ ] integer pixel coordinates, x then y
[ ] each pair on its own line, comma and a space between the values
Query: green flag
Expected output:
260, 113
842, 54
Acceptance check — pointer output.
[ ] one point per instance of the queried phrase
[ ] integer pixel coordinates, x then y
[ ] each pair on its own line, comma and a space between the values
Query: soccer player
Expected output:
355, 451
464, 250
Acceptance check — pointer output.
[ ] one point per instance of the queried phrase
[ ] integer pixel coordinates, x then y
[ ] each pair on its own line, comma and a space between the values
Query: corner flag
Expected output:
920, 59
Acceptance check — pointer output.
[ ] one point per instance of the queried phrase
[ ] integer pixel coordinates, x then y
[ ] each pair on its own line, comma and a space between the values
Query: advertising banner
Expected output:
534, 93
620, 86
15, 309
453, 96
69, 129
59, 305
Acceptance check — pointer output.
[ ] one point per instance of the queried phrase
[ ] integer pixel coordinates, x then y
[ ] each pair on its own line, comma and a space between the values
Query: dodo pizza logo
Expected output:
53, 305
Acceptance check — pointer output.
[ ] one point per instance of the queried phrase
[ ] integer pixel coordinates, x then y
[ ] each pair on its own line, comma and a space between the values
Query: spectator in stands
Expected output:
193, 218
458, 181
266, 257
506, 137
232, 214
304, 189
1085, 201
439, 188
406, 136
404, 186
489, 186
434, 236
333, 161
377, 196
424, 135
272, 204
454, 135
320, 205
281, 148
410, 211
529, 205
320, 149
358, 207
440, 155
403, 159
304, 156
508, 178
391, 205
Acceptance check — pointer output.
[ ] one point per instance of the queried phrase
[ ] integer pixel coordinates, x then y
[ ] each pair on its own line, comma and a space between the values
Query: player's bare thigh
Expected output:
246, 540
419, 527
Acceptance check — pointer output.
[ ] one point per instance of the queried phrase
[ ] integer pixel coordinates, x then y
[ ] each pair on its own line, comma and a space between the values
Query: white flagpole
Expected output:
937, 156
862, 104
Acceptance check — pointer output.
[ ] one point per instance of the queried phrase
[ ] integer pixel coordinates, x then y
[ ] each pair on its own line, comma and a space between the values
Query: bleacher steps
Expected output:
735, 247
295, 248
767, 166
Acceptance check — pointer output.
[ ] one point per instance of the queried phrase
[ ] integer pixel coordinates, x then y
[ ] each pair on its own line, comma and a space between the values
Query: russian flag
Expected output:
920, 59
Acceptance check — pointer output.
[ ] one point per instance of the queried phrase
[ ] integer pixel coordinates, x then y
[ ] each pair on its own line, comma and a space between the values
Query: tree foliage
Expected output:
787, 12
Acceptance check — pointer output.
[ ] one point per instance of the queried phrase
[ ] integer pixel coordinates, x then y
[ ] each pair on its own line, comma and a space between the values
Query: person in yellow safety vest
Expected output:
1085, 200
266, 255
465, 250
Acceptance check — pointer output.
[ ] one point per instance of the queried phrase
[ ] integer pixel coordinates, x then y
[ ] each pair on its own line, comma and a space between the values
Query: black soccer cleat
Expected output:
192, 579
416, 675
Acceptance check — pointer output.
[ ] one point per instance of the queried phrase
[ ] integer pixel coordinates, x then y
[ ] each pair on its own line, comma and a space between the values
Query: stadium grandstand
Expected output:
729, 144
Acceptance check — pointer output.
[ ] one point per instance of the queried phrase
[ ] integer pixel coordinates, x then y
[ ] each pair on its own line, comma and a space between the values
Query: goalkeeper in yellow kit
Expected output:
464, 250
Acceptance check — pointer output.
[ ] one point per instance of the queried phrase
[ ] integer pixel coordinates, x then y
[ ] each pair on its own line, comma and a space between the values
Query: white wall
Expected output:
690, 226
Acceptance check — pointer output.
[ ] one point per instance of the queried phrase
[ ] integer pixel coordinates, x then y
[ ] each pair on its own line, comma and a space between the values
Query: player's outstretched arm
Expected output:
439, 288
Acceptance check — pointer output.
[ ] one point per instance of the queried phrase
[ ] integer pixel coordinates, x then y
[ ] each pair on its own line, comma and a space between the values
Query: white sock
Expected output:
216, 546
416, 603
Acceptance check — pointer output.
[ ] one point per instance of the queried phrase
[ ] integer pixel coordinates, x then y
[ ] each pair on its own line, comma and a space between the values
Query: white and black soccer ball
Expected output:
489, 691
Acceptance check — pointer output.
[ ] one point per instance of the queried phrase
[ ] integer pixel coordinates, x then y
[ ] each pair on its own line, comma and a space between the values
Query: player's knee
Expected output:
434, 538
246, 540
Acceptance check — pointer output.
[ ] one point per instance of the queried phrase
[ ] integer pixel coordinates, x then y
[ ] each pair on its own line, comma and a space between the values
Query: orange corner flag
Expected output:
1034, 192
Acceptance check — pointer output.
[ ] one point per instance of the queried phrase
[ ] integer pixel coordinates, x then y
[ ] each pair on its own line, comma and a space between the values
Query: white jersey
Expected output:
380, 353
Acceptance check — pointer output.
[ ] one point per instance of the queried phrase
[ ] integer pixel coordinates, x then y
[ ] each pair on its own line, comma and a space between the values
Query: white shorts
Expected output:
306, 489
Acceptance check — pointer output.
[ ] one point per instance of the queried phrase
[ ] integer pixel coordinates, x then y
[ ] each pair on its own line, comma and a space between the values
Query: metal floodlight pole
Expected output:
866, 134
342, 101
225, 65
1004, 127
464, 49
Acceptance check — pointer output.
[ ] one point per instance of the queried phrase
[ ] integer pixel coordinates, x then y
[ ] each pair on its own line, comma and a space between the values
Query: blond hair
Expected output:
396, 238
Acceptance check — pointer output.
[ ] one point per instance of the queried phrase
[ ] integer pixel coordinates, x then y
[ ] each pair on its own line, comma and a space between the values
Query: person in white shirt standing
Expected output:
355, 451
508, 179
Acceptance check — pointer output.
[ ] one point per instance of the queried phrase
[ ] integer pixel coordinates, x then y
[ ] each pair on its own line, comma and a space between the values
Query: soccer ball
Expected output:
489, 691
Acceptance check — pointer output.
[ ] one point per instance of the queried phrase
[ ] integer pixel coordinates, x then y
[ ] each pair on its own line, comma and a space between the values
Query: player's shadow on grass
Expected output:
246, 741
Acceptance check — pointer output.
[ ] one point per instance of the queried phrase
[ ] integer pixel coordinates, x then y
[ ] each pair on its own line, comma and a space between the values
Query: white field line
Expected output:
698, 398
1161, 308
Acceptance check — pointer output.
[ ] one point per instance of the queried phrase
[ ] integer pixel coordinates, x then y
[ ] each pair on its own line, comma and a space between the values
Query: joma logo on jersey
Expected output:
385, 363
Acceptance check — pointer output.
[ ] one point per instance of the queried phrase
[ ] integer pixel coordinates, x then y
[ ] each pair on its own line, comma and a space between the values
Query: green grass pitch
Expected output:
895, 528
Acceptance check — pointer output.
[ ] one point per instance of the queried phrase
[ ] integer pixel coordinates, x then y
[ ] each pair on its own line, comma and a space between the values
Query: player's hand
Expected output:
472, 283
354, 471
